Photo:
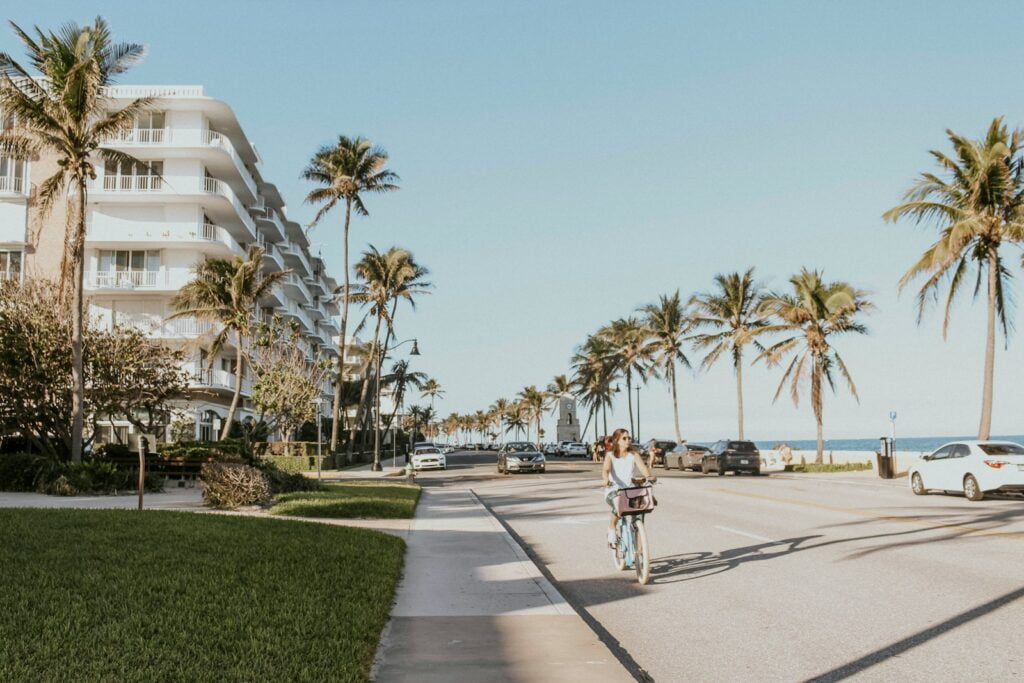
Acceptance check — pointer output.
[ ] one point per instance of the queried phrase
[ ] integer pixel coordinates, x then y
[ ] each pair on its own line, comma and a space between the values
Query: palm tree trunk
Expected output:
604, 413
375, 416
77, 314
675, 399
239, 370
629, 400
357, 421
336, 412
985, 428
739, 395
816, 405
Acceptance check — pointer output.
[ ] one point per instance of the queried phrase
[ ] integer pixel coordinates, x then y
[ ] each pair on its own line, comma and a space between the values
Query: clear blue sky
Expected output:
563, 163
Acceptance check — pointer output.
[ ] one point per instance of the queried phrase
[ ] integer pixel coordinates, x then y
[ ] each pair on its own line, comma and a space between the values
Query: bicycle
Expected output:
631, 546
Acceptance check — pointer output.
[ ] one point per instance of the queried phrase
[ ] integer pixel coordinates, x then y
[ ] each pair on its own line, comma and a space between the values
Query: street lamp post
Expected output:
376, 427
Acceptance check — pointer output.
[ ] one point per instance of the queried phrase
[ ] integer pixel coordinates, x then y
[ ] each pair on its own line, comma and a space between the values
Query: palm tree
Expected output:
815, 312
346, 170
666, 323
228, 293
65, 113
533, 401
627, 337
398, 379
593, 375
978, 207
516, 419
386, 278
502, 410
431, 388
731, 312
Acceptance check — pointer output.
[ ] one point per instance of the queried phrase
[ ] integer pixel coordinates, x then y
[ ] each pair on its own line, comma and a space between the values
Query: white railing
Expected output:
215, 139
215, 233
296, 251
179, 328
10, 275
268, 214
135, 91
133, 183
12, 185
218, 379
219, 187
210, 233
296, 281
129, 279
144, 136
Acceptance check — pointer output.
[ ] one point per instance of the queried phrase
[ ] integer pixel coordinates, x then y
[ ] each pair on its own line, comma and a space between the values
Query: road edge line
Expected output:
607, 639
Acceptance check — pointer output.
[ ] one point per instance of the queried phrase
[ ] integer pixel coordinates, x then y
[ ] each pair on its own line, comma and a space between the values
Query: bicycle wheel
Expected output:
619, 551
641, 554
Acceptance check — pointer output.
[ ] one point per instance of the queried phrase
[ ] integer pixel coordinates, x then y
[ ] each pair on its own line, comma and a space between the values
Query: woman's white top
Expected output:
622, 471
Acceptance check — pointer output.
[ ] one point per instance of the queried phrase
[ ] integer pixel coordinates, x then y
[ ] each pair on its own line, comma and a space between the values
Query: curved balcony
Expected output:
297, 287
165, 279
179, 328
183, 139
216, 380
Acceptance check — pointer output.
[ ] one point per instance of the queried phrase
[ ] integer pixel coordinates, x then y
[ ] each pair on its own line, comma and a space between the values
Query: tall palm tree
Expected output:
978, 207
431, 388
386, 278
667, 323
813, 314
227, 292
628, 337
594, 372
398, 380
64, 112
346, 170
533, 401
731, 313
515, 419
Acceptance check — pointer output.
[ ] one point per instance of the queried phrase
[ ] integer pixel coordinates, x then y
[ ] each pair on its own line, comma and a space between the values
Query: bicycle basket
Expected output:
634, 501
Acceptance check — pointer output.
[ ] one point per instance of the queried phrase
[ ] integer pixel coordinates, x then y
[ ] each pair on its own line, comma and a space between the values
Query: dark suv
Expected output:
661, 447
734, 456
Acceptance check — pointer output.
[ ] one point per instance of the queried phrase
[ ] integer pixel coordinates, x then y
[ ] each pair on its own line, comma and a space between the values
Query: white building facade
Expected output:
198, 193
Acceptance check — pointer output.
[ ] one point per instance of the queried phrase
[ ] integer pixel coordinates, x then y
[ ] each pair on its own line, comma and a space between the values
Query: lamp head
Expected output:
415, 349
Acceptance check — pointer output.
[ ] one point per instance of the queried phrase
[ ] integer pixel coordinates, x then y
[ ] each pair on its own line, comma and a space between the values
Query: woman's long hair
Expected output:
616, 435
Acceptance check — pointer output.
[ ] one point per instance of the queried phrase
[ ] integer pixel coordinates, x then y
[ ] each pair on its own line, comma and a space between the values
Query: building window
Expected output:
143, 175
12, 175
10, 265
207, 422
123, 268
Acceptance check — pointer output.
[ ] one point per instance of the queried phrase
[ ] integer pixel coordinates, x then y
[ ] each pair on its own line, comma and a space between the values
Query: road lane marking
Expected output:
918, 521
744, 533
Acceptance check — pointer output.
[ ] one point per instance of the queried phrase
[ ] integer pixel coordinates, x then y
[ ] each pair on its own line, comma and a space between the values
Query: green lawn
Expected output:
353, 500
92, 595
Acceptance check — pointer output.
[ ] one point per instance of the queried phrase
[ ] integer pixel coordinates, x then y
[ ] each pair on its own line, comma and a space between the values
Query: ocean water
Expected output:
920, 444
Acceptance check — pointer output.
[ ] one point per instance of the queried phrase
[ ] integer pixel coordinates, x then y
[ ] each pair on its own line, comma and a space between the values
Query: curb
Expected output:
547, 580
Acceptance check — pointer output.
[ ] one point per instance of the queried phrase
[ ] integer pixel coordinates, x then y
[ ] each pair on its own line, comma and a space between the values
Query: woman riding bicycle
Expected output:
620, 464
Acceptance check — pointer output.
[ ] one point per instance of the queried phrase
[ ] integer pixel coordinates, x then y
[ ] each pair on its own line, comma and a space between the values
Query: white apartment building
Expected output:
198, 193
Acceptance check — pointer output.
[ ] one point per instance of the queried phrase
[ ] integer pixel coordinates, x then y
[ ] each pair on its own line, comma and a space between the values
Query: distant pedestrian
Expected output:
786, 453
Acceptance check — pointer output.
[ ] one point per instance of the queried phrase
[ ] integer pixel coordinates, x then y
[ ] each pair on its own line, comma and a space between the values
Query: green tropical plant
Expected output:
346, 171
814, 314
65, 113
594, 372
627, 338
432, 389
228, 293
978, 207
534, 402
385, 279
667, 323
731, 313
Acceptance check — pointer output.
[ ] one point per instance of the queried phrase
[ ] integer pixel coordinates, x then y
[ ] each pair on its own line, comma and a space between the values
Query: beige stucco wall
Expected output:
45, 239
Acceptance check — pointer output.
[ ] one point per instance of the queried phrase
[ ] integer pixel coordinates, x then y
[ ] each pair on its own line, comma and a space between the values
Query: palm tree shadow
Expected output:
690, 566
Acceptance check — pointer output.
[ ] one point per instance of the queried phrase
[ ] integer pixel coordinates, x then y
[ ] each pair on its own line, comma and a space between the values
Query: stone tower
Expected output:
568, 426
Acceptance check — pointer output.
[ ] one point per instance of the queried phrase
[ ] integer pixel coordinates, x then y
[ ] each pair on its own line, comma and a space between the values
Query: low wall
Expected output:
903, 458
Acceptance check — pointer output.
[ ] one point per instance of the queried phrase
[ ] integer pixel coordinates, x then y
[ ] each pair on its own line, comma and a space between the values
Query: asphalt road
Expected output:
787, 577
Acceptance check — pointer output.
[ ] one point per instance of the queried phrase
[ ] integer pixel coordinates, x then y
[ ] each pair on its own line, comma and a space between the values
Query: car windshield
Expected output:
520, 447
1001, 448
425, 451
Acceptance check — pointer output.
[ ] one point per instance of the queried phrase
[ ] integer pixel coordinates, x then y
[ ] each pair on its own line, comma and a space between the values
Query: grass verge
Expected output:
93, 595
351, 500
826, 467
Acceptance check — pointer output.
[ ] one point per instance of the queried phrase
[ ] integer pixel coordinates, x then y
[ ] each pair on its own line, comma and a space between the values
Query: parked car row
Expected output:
723, 456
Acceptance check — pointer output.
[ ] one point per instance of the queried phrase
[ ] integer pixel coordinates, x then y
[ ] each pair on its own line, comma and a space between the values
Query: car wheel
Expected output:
721, 471
704, 468
972, 490
917, 486
543, 470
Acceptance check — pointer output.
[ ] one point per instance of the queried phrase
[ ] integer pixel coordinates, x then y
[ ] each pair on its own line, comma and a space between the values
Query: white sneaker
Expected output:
611, 538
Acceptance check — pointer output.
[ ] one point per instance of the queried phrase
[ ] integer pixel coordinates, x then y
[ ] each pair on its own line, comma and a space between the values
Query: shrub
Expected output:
18, 471
230, 485
829, 467
282, 481
287, 463
221, 451
115, 451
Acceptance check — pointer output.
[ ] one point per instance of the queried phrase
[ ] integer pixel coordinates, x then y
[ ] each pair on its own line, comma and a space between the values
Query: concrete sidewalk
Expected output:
472, 606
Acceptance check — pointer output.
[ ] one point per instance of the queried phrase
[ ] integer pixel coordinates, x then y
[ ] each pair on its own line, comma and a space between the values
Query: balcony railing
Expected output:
163, 279
10, 275
215, 233
12, 185
218, 379
133, 183
134, 91
219, 187
179, 328
295, 281
215, 139
143, 136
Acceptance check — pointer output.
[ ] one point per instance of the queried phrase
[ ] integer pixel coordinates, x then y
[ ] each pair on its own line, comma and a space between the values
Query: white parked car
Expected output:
551, 449
973, 467
428, 458
576, 449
